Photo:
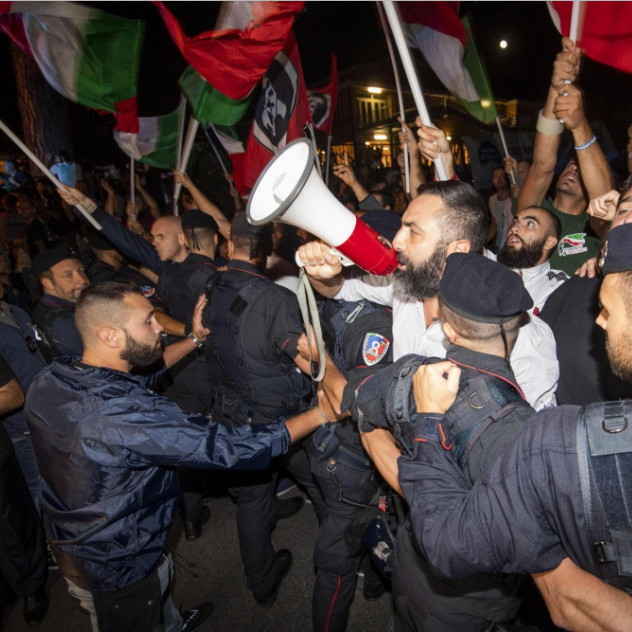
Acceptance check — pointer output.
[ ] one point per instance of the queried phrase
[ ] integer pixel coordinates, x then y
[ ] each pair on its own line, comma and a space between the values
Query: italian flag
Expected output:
156, 142
209, 105
446, 42
87, 55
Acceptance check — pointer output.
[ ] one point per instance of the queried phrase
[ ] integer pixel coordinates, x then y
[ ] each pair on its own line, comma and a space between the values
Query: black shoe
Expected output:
193, 529
288, 507
284, 561
372, 591
195, 617
35, 607
7, 600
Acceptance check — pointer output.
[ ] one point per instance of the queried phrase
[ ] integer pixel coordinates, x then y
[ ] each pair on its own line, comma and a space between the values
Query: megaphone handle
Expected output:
345, 261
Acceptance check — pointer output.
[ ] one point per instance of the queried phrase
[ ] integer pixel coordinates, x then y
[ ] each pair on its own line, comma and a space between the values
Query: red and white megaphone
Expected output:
290, 190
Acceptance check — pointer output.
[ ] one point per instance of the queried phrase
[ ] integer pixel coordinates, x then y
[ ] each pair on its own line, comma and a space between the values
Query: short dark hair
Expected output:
64, 155
384, 198
555, 225
102, 301
466, 216
482, 332
254, 248
205, 236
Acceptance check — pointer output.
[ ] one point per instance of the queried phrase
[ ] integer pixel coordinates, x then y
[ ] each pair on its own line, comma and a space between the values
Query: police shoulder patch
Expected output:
374, 348
148, 291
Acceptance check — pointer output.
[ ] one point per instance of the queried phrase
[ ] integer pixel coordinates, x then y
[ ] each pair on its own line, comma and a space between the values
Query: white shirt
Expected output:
533, 360
67, 172
501, 210
282, 272
540, 281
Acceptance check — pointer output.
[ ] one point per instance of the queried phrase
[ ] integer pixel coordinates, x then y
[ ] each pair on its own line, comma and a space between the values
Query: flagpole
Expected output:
181, 122
132, 186
504, 142
328, 160
400, 95
413, 80
574, 30
47, 172
212, 144
312, 134
184, 160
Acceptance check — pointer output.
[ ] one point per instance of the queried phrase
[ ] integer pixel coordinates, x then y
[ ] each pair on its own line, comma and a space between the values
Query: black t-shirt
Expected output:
585, 373
6, 372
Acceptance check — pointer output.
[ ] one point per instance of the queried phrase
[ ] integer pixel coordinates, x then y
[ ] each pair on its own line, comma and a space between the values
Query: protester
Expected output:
500, 208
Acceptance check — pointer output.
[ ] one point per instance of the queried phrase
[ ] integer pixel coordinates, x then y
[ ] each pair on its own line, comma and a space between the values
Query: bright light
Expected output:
449, 137
367, 142
375, 90
485, 103
503, 43
380, 137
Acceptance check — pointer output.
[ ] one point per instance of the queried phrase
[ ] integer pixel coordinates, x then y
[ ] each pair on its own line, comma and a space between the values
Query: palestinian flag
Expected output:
434, 28
227, 136
88, 56
209, 105
234, 56
155, 143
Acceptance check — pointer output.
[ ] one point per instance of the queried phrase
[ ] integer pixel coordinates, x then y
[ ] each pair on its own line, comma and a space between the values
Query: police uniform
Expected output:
55, 316
358, 336
98, 270
562, 488
488, 413
255, 325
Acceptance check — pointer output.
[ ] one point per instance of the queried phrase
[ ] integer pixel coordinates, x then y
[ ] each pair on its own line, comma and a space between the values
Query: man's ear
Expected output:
47, 284
231, 248
112, 337
550, 243
450, 334
460, 245
182, 240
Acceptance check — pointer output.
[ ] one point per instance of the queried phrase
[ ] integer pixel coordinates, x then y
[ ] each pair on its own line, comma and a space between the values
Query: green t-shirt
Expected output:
578, 241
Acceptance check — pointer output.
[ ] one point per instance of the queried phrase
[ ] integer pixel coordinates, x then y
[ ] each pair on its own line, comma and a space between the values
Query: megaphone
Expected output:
290, 190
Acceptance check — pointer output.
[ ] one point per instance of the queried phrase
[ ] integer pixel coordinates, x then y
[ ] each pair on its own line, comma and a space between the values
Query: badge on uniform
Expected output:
374, 348
148, 291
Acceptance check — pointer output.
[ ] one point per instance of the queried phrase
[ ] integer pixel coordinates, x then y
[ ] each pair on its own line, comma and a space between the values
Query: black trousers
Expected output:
254, 494
21, 531
335, 566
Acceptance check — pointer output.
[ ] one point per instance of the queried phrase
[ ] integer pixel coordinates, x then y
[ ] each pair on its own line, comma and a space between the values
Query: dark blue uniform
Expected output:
55, 317
358, 336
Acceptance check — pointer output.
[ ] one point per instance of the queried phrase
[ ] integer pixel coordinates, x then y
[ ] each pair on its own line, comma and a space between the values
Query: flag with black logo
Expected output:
282, 112
322, 101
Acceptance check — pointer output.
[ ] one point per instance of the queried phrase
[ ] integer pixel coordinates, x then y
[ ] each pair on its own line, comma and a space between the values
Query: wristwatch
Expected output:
195, 340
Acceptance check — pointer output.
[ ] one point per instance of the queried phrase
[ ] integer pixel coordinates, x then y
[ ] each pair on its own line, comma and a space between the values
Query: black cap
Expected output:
198, 219
241, 227
616, 252
384, 223
46, 260
483, 290
99, 241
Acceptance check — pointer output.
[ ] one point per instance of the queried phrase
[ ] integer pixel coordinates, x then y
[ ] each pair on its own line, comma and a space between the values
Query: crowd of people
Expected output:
470, 429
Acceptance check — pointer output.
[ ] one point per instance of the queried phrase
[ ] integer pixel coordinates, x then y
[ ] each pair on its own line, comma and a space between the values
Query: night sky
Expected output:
351, 31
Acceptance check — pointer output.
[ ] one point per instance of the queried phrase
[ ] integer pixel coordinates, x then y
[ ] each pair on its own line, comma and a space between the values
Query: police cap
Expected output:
384, 223
616, 253
199, 219
483, 290
241, 227
46, 260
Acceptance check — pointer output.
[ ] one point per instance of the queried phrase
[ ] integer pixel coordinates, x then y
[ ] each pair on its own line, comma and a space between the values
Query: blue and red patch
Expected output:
374, 348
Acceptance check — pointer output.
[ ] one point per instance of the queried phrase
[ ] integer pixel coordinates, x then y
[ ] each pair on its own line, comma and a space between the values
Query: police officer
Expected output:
483, 305
106, 446
63, 278
556, 501
107, 259
255, 326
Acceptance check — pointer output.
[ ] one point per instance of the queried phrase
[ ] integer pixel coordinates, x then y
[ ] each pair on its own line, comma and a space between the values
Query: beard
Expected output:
525, 257
620, 357
420, 281
140, 353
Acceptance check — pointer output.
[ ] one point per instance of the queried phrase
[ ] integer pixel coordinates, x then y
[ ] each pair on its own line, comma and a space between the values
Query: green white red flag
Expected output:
87, 55
234, 56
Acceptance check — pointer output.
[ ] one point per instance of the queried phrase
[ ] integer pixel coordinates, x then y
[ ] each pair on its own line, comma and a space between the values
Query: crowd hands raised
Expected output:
439, 379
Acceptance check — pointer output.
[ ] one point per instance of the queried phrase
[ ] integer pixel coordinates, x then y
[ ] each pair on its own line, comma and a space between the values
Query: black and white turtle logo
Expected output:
277, 103
319, 106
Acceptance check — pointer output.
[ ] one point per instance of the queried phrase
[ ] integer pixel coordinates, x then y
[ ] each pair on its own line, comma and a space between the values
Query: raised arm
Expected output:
346, 174
417, 177
204, 204
548, 130
433, 143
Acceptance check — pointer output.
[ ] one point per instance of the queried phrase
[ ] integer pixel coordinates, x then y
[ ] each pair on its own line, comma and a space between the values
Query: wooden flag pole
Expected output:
413, 80
47, 172
132, 186
504, 142
400, 95
184, 160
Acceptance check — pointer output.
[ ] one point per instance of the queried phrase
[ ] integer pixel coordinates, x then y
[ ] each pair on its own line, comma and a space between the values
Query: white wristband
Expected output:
550, 127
